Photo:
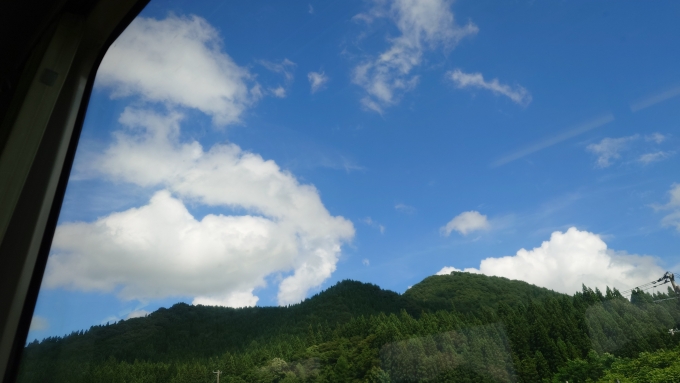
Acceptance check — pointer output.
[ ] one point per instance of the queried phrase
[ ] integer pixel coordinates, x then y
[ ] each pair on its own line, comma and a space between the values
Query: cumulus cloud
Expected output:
609, 149
423, 25
317, 80
517, 94
161, 249
648, 158
570, 259
673, 218
465, 223
39, 323
179, 61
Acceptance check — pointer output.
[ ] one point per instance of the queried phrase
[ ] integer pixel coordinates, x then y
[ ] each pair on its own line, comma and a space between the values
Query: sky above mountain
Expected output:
253, 153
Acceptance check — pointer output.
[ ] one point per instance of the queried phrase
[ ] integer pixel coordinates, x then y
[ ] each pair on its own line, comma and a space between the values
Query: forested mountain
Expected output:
472, 293
459, 327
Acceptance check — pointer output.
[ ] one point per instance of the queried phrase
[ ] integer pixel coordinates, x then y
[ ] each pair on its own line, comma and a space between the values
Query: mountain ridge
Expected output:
457, 327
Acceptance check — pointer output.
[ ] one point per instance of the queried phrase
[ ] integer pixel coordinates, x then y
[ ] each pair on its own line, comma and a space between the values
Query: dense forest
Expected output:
452, 328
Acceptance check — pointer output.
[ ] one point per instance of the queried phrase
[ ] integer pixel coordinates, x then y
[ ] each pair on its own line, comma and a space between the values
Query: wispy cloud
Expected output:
403, 208
423, 25
655, 137
580, 129
284, 68
310, 9
370, 222
365, 262
673, 218
517, 94
654, 99
648, 158
466, 223
609, 149
317, 80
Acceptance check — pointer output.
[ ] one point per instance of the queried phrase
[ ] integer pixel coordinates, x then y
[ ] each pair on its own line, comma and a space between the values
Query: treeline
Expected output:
542, 337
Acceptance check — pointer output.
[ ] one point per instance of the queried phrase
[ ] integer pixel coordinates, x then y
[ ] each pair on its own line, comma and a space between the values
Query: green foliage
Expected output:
650, 367
473, 292
585, 370
460, 327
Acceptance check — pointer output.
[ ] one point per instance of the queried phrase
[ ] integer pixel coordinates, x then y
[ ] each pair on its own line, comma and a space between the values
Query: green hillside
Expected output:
465, 292
201, 331
460, 327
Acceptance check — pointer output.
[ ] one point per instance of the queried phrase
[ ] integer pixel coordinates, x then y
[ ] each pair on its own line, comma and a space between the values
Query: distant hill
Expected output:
183, 329
457, 327
470, 293
201, 331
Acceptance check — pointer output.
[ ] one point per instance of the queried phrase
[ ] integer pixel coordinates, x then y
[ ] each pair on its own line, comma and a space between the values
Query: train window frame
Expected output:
46, 95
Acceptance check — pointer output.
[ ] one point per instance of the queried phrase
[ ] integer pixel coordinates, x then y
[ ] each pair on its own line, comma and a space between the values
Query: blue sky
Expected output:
243, 153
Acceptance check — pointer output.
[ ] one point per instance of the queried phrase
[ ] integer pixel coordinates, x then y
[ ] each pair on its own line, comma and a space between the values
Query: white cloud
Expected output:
285, 68
178, 61
546, 143
423, 25
656, 138
403, 208
673, 218
161, 249
446, 270
648, 158
654, 99
366, 262
609, 149
231, 299
570, 259
517, 94
317, 80
310, 9
137, 314
465, 223
39, 323
279, 92
372, 223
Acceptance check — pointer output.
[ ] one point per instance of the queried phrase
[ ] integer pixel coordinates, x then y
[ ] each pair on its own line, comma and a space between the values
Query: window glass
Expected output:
374, 190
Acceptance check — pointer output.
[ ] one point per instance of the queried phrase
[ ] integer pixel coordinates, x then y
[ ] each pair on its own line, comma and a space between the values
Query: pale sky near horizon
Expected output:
254, 153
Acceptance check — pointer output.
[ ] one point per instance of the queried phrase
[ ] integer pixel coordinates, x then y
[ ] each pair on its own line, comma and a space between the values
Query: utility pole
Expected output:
671, 277
218, 372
